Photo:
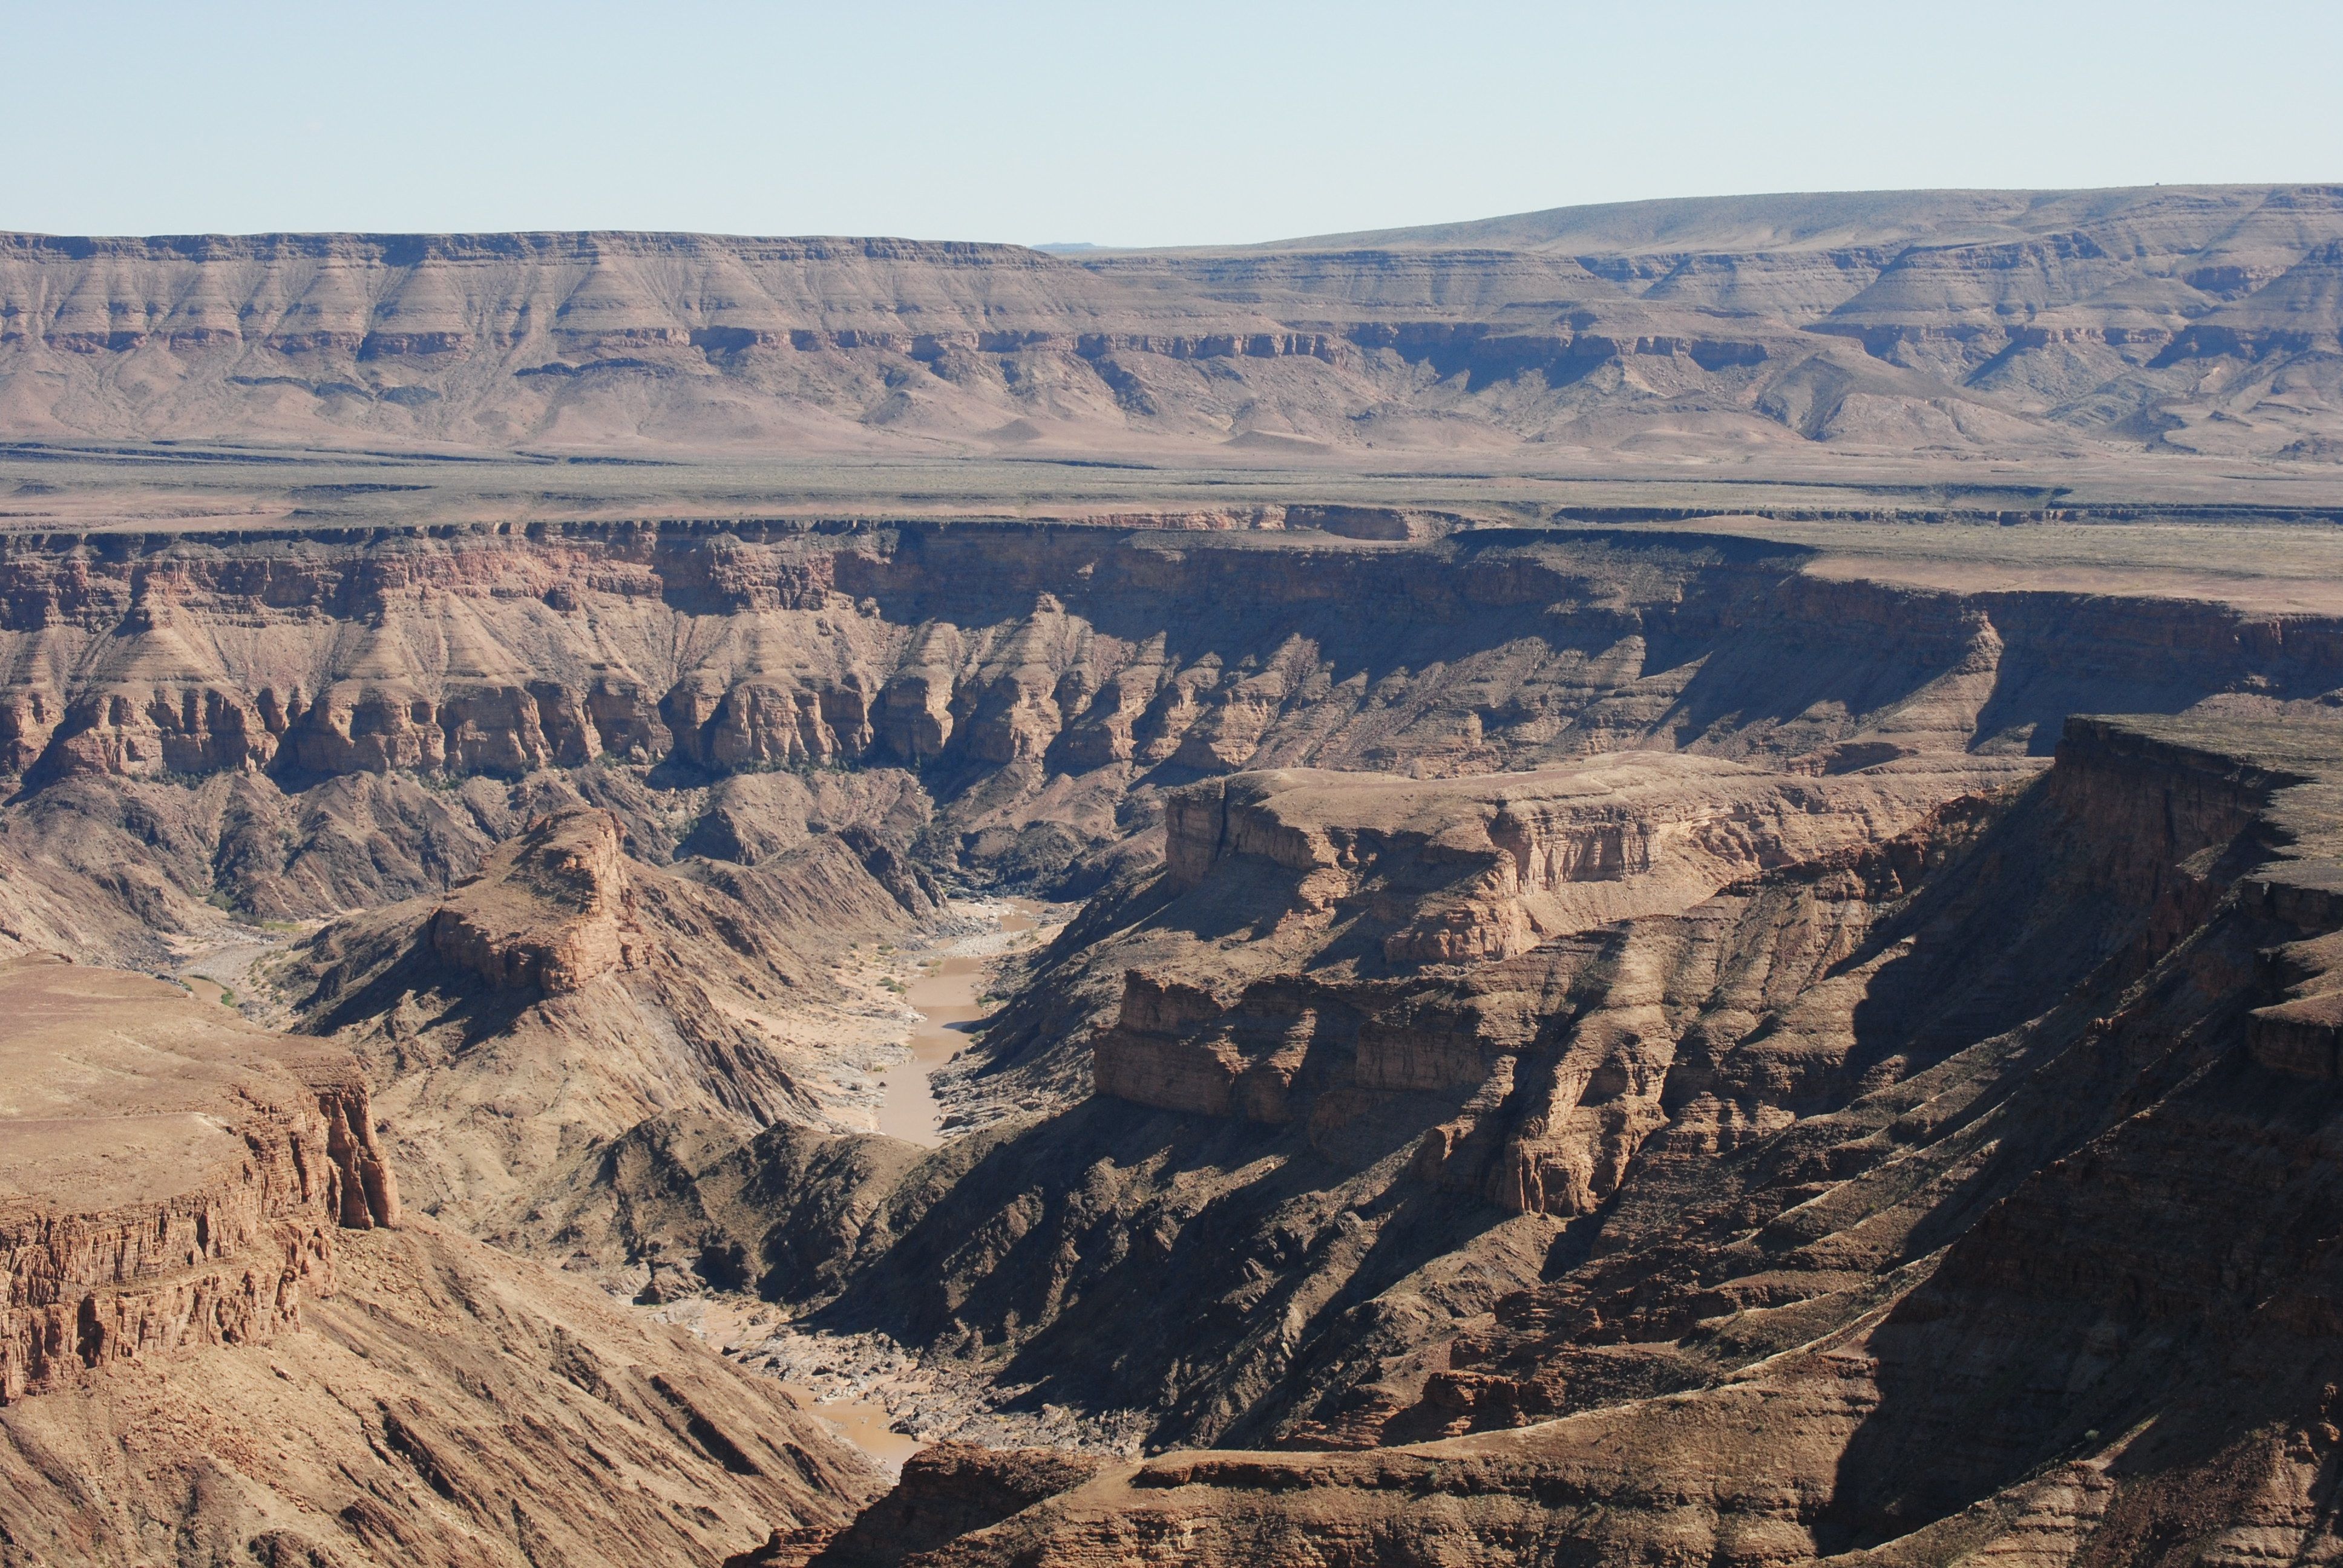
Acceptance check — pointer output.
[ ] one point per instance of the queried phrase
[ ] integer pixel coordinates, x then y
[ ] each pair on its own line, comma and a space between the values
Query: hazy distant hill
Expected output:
2203, 319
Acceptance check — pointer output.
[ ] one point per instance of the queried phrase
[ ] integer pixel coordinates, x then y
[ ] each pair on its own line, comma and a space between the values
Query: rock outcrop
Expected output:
947, 1490
174, 1177
213, 1314
1377, 879
552, 911
568, 992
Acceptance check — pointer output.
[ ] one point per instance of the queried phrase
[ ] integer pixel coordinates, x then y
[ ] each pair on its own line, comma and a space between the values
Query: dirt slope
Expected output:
225, 1345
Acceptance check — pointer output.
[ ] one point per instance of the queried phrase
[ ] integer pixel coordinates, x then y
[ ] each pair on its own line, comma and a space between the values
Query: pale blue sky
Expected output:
1153, 125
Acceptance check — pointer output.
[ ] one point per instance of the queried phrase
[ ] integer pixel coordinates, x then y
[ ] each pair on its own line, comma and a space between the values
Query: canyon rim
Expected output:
1646, 884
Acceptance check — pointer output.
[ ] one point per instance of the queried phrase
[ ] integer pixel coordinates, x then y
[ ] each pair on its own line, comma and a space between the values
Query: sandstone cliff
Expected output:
174, 1177
1376, 878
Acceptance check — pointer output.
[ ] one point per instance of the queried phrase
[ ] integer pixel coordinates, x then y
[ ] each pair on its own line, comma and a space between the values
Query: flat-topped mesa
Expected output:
169, 1176
550, 910
1898, 320
1362, 891
1471, 869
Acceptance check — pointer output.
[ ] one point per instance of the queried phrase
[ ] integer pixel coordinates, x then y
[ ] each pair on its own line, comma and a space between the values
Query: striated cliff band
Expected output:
1681, 873
1576, 1042
2172, 319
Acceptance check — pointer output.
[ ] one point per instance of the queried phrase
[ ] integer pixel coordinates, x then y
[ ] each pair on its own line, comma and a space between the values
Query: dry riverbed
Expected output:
944, 985
884, 1400
879, 1396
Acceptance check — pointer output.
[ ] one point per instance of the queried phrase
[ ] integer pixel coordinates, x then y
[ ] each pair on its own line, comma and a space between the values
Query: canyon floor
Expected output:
753, 992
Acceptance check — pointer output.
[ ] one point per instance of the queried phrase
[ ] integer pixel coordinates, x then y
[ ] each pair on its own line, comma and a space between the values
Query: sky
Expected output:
1199, 123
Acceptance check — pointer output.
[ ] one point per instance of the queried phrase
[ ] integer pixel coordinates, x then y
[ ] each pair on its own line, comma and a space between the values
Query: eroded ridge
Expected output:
2016, 1267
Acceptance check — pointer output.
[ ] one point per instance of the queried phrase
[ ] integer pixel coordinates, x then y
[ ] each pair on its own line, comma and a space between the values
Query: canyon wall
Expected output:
1639, 1159
2174, 318
2031, 1282
477, 650
1551, 1004
259, 1154
301, 725
221, 1341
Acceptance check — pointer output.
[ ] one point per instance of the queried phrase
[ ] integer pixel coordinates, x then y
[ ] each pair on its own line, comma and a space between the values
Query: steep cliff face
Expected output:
2043, 1283
169, 1187
2190, 320
220, 1342
1378, 880
1033, 678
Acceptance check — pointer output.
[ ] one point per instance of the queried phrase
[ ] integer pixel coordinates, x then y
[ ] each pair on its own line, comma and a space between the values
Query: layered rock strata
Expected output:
1725, 967
2033, 1286
220, 1342
2172, 318
168, 1185
1355, 882
1030, 677
189, 656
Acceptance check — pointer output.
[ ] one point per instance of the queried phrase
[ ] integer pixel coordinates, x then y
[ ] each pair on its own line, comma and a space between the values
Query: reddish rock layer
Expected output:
1349, 883
259, 1155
